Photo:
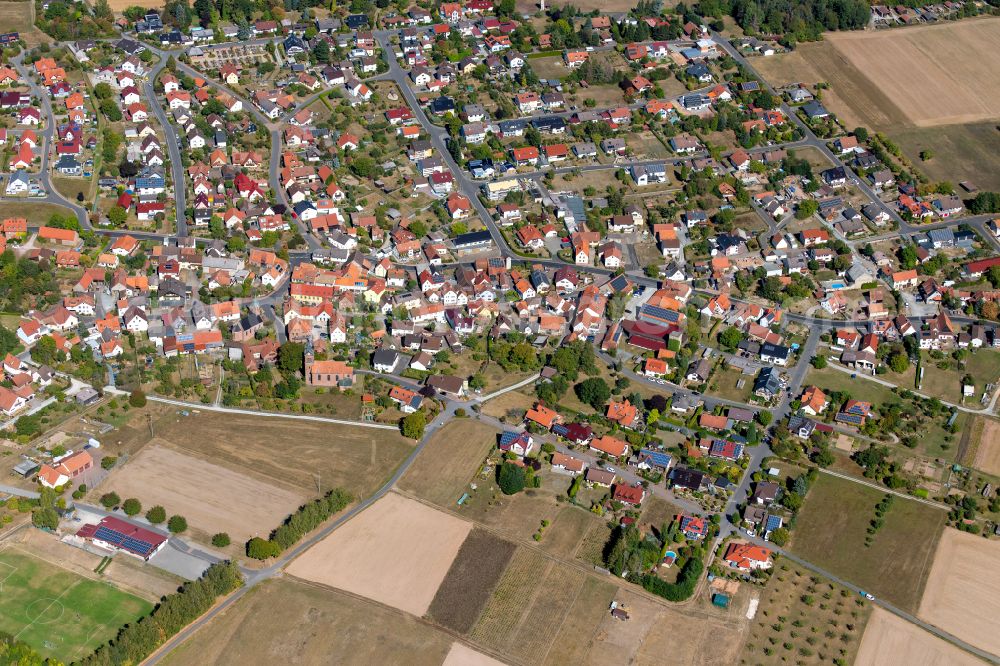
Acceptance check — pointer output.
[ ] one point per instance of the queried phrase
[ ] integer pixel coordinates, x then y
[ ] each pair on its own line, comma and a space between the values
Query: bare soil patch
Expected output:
397, 552
442, 471
470, 581
962, 595
211, 497
892, 640
987, 447
287, 621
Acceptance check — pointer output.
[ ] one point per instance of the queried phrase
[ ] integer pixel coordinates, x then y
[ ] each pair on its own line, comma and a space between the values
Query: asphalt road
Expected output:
170, 131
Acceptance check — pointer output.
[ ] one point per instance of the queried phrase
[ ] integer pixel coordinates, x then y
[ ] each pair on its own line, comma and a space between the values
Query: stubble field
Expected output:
212, 498
937, 75
890, 639
396, 552
932, 87
963, 591
300, 454
288, 621
985, 436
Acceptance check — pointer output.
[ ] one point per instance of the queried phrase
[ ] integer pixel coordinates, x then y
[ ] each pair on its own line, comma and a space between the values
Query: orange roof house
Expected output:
611, 445
713, 421
543, 416
624, 413
655, 367
64, 236
813, 400
747, 556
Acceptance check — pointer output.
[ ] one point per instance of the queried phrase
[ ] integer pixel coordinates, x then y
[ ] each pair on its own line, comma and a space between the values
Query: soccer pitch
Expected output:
57, 612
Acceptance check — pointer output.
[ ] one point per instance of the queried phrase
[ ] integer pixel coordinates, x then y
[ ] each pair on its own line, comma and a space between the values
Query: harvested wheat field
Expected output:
288, 621
985, 433
396, 552
462, 655
211, 497
890, 639
937, 75
294, 452
963, 592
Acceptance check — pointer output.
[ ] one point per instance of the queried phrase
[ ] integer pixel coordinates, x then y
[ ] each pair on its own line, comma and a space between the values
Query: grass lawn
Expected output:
983, 365
724, 383
831, 528
859, 388
36, 213
822, 620
60, 614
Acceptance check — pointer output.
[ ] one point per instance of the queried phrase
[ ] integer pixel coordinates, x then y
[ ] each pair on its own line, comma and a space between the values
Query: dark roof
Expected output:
687, 478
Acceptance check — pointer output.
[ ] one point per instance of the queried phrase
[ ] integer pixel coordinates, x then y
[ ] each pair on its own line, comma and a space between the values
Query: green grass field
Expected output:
830, 532
57, 612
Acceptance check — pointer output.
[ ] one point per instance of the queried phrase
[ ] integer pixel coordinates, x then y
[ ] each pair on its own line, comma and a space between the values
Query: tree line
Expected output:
137, 641
297, 525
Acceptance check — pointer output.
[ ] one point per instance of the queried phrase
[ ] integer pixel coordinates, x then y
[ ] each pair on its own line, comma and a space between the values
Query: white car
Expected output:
869, 597
611, 469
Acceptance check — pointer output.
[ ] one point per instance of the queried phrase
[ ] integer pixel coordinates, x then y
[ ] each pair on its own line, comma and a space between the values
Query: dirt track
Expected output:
461, 655
396, 552
963, 592
892, 640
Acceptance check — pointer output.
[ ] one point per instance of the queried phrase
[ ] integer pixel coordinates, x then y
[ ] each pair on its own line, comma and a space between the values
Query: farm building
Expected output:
116, 534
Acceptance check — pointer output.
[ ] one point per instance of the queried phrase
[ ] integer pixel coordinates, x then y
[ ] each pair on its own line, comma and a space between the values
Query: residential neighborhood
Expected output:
551, 300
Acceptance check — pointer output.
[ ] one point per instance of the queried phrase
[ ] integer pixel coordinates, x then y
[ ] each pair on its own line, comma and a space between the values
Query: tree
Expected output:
764, 417
985, 202
110, 110
177, 524
823, 458
731, 338
291, 357
321, 51
137, 398
220, 540
413, 425
262, 549
132, 507
779, 537
156, 515
818, 361
110, 500
44, 517
477, 382
511, 478
806, 209
899, 361
45, 350
593, 391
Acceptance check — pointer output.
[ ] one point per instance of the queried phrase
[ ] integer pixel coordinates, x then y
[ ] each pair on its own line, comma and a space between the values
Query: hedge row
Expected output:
306, 519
